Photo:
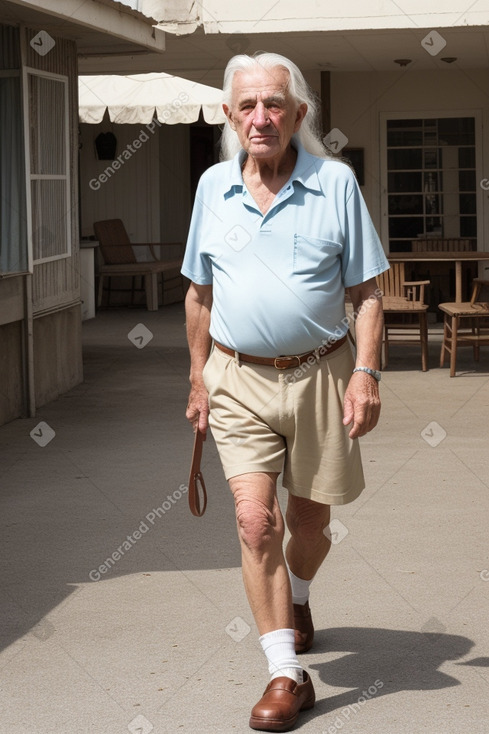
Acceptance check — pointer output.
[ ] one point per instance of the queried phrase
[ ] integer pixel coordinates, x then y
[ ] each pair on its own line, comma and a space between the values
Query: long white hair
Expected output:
309, 133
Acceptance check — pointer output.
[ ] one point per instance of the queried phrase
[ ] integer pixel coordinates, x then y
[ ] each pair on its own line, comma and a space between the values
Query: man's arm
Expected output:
362, 401
198, 303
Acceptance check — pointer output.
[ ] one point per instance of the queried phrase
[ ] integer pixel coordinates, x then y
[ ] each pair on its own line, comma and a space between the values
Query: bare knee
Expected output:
259, 519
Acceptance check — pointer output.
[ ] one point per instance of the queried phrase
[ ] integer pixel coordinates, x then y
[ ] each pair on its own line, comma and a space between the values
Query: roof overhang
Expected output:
99, 27
202, 57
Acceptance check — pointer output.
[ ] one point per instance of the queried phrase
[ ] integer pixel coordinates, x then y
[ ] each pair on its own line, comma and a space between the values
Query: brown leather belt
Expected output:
284, 363
196, 484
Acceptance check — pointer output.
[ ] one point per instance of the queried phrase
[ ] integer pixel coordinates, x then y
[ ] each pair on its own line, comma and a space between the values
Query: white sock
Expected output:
300, 588
279, 648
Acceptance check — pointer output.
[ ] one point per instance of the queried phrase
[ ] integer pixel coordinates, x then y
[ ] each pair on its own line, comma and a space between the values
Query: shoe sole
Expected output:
270, 725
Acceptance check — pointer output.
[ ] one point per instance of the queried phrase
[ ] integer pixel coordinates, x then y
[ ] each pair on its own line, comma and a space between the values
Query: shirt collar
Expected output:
305, 170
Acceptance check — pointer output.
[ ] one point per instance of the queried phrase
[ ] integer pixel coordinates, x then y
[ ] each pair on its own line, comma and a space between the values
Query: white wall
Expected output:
150, 191
131, 193
256, 17
360, 100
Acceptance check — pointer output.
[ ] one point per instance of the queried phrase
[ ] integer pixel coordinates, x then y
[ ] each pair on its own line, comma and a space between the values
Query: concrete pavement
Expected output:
122, 613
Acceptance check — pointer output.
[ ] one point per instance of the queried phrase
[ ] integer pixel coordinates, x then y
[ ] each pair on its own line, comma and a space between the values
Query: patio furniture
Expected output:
476, 332
441, 275
120, 260
458, 257
404, 310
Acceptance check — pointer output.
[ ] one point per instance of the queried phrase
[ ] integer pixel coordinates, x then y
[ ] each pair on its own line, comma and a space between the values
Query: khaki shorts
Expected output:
269, 420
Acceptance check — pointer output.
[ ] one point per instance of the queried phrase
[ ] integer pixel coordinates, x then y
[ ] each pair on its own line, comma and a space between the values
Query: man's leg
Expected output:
306, 550
266, 579
261, 533
308, 546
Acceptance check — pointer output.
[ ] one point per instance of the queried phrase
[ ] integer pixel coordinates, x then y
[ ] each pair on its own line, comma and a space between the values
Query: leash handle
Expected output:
197, 494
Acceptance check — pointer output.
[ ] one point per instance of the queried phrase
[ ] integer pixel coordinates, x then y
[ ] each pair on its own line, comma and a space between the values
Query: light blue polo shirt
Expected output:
279, 278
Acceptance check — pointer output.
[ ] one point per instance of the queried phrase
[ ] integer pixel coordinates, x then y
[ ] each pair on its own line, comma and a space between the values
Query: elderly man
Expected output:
277, 234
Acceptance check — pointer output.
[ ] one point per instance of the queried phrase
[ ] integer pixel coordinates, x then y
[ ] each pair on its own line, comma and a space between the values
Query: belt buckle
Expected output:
286, 366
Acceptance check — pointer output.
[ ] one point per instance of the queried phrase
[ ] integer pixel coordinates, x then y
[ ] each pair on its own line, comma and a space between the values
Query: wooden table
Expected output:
431, 256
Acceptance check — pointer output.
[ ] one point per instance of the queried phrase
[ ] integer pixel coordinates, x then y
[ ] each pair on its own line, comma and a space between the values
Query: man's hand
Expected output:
197, 412
361, 404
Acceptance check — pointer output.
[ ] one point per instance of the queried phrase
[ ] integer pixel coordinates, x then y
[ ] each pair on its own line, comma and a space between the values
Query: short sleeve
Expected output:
196, 264
363, 255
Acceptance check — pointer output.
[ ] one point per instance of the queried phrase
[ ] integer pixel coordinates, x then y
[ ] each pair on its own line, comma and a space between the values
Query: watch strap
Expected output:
373, 373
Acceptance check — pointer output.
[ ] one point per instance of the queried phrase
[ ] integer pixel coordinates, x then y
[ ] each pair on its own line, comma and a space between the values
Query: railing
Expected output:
442, 244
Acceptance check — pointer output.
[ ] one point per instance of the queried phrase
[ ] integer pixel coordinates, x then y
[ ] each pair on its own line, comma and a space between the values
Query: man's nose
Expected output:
260, 118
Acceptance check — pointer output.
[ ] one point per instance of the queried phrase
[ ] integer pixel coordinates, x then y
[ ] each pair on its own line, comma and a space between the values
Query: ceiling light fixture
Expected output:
402, 62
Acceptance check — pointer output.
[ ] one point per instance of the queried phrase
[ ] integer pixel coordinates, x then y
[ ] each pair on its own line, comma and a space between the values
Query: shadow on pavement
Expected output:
376, 662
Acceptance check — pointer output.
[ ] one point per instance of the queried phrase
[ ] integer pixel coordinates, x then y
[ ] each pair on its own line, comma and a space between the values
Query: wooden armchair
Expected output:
404, 310
476, 332
120, 260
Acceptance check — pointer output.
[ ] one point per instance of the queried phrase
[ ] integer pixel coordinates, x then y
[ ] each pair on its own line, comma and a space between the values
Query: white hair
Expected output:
309, 133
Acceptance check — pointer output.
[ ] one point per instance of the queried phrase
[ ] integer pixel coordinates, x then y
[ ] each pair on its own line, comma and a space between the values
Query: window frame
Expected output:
385, 117
30, 177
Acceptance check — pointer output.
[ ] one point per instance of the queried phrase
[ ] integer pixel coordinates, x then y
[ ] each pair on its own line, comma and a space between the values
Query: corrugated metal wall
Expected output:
57, 284
9, 47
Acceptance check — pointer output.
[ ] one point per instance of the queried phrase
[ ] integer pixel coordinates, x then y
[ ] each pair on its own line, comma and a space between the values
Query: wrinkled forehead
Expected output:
259, 83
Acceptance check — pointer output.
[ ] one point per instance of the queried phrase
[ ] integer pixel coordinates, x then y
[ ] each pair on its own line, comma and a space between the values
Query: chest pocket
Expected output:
313, 255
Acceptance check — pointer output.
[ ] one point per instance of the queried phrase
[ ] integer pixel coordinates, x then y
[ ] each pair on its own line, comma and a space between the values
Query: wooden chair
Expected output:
475, 334
120, 260
404, 310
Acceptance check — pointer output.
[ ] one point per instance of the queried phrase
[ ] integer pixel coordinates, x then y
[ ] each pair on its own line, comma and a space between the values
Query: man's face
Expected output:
262, 111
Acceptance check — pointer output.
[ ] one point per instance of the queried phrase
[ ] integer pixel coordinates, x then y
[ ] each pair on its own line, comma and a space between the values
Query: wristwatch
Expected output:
374, 373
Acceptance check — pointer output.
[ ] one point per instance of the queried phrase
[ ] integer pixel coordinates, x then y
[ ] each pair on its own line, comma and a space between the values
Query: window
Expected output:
431, 180
49, 165
13, 216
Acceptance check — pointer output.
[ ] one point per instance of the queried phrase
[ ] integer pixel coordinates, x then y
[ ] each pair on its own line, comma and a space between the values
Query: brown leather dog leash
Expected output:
196, 484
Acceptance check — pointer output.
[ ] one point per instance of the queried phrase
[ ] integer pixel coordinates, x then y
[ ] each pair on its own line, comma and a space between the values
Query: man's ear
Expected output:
300, 114
229, 115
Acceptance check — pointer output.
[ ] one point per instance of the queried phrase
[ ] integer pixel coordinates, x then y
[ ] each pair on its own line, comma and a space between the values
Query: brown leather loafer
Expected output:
279, 707
303, 627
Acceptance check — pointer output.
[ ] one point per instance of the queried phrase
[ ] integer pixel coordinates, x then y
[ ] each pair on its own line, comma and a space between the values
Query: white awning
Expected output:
140, 97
